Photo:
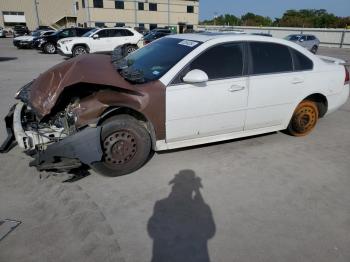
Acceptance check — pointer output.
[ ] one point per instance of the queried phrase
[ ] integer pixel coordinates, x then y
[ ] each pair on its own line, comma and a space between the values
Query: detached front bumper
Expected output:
84, 145
10, 141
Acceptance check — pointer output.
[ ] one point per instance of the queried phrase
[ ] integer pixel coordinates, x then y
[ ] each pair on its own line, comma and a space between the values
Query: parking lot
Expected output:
267, 198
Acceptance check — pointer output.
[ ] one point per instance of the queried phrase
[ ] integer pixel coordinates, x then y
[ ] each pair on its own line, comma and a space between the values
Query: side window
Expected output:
126, 32
66, 33
221, 61
103, 33
115, 33
301, 62
304, 38
270, 58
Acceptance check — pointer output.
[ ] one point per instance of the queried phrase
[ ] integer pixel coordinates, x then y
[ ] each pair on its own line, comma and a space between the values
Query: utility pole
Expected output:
36, 12
168, 12
88, 12
136, 7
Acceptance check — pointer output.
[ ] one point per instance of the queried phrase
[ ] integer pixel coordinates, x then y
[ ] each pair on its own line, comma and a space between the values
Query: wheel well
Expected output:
321, 101
113, 111
83, 45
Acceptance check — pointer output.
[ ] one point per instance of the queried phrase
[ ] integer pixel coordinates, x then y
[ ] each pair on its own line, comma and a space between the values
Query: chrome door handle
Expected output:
235, 88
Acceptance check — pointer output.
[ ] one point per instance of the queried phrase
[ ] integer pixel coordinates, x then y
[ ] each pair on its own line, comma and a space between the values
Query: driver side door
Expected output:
215, 107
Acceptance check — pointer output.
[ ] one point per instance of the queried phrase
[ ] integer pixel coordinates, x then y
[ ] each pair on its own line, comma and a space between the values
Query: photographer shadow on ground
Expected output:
182, 223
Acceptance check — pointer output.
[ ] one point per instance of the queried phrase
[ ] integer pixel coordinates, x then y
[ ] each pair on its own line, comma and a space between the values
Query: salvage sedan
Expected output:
179, 91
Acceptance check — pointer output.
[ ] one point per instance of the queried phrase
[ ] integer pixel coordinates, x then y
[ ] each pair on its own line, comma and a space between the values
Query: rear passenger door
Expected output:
217, 106
274, 86
118, 37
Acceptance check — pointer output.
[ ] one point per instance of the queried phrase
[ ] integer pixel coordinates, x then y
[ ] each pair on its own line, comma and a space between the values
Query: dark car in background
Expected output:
27, 41
19, 30
48, 44
156, 34
2, 32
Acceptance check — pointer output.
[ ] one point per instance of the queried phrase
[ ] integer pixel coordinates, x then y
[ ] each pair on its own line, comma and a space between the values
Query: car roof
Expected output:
207, 36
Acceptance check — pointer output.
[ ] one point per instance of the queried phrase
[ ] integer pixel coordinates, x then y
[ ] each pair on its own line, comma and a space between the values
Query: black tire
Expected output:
126, 145
49, 48
79, 50
314, 49
130, 48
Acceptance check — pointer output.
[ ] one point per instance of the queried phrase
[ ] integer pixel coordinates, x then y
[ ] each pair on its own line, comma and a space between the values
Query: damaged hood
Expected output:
91, 69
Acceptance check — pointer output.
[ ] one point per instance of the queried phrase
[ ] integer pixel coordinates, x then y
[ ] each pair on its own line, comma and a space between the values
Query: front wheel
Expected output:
126, 146
49, 48
79, 50
304, 118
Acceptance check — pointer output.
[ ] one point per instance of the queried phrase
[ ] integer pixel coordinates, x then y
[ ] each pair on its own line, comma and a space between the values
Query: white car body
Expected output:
94, 44
244, 106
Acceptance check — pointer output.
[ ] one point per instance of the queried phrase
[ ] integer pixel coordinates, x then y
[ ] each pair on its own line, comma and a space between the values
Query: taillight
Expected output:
347, 77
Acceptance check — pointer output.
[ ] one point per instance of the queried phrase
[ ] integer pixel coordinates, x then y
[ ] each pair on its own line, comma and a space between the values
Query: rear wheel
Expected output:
304, 119
126, 146
314, 49
79, 50
49, 48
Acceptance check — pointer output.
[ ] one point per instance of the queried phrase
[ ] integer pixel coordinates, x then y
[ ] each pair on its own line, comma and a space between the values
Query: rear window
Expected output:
301, 62
270, 58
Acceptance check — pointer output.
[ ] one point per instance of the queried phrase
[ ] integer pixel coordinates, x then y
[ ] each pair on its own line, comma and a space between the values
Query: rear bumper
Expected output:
337, 100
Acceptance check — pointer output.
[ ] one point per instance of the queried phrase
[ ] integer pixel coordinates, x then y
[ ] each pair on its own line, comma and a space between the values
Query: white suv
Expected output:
100, 40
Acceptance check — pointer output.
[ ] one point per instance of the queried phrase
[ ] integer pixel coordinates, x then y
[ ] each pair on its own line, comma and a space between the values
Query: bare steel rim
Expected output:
119, 147
304, 120
79, 51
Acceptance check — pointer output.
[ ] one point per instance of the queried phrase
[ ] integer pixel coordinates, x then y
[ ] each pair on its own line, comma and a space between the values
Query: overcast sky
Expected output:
272, 8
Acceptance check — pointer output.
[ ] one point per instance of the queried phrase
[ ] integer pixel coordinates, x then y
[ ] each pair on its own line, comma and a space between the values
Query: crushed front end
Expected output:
53, 142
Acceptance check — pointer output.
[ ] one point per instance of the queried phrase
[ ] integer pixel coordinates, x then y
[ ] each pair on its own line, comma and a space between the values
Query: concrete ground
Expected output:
266, 198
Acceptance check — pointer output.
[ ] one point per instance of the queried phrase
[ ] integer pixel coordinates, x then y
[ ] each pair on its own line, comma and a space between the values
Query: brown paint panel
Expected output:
148, 99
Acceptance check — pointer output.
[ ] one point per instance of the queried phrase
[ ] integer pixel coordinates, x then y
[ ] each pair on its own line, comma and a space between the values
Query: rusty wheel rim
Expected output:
305, 119
119, 147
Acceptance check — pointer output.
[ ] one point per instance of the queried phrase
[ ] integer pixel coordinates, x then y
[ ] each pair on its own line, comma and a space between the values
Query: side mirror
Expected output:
95, 36
195, 76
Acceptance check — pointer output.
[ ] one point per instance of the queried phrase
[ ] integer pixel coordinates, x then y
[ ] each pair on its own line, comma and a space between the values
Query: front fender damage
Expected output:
84, 147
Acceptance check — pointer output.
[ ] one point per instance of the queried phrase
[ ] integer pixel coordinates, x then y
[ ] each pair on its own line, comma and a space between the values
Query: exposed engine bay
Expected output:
32, 134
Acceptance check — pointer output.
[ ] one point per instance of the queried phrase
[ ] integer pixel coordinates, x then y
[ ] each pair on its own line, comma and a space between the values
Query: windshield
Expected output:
89, 33
146, 64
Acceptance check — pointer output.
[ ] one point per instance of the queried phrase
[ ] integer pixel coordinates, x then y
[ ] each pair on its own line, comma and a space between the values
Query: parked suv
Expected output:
48, 44
100, 40
310, 42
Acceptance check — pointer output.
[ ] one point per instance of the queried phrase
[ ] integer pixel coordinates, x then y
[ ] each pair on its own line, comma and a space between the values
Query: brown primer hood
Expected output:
148, 99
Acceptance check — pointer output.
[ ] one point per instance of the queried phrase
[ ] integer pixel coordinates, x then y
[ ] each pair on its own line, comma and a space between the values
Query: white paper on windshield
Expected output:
188, 43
